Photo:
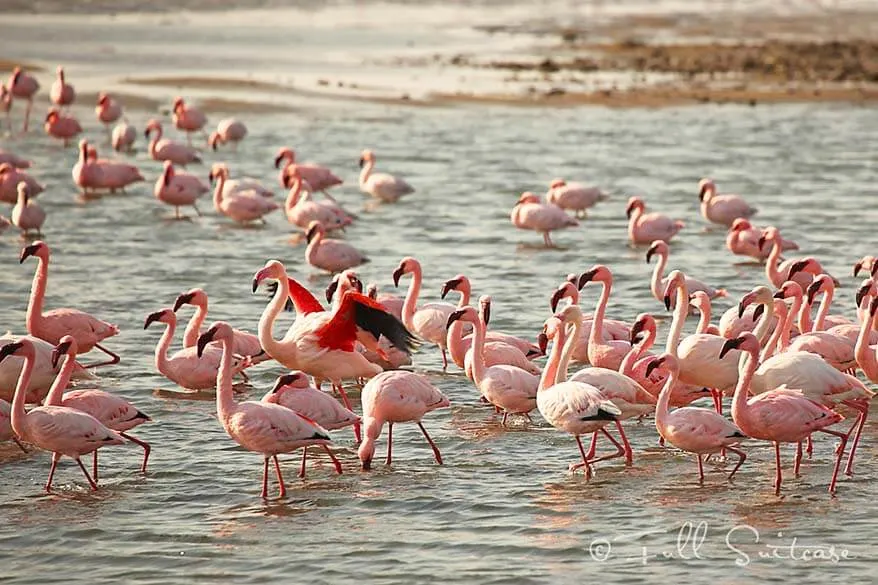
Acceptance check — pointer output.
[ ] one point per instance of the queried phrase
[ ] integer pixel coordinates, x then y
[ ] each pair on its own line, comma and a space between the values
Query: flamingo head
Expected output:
213, 140
745, 342
295, 379
465, 314
273, 270
528, 197
366, 156
459, 283
23, 191
557, 183
16, 75
761, 295
152, 125
178, 104
40, 249
216, 171
665, 361
705, 186
21, 348
219, 331
676, 279
769, 234
633, 204
291, 175
406, 266
52, 116
66, 346
821, 284
571, 314
699, 300
91, 153
567, 290
166, 316
552, 329
789, 289
867, 288
346, 280
284, 154
658, 247
864, 263
597, 273
740, 225
103, 99
485, 308
644, 326
196, 297
314, 228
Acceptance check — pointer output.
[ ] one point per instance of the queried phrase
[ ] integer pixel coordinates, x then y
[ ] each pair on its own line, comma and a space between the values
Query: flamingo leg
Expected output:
347, 404
282, 488
505, 415
810, 449
389, 444
114, 358
444, 359
629, 452
861, 422
197, 212
778, 478
593, 446
620, 450
335, 460
91, 482
20, 446
304, 458
547, 239
741, 457
433, 446
585, 463
797, 463
661, 441
94, 464
700, 469
717, 400
143, 444
843, 441
55, 458
265, 479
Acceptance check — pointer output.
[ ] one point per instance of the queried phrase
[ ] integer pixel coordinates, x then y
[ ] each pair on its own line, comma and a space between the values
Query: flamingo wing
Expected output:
358, 310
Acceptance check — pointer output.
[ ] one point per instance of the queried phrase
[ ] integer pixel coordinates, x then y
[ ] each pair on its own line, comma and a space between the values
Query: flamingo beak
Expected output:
454, 317
282, 381
762, 240
58, 351
813, 290
861, 292
586, 277
543, 342
729, 345
486, 312
653, 366
203, 340
779, 295
330, 290
449, 286
857, 267
152, 318
182, 300
309, 235
10, 349
745, 302
650, 253
758, 311
397, 274
28, 252
259, 277
636, 330
667, 300
556, 298
628, 210
361, 162
701, 193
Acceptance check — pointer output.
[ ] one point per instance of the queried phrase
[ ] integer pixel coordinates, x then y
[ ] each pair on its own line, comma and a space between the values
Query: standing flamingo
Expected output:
187, 118
62, 93
27, 215
805, 268
329, 254
23, 86
824, 285
43, 373
645, 228
240, 206
396, 397
602, 353
261, 427
574, 196
867, 263
743, 240
530, 213
162, 149
108, 111
382, 186
51, 326
428, 321
658, 282
318, 177
178, 189
227, 131
63, 431
10, 177
301, 209
722, 209
112, 411
61, 126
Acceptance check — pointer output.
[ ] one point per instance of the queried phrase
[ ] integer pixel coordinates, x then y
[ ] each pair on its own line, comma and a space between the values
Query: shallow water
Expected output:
503, 508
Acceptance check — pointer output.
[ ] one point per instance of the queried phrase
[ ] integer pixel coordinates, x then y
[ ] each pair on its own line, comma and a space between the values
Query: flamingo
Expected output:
244, 185
530, 213
701, 302
301, 209
574, 407
27, 215
318, 177
612, 329
261, 427
23, 86
739, 319
329, 254
645, 228
123, 137
187, 118
694, 430
62, 93
396, 397
178, 189
743, 240
382, 186
108, 111
781, 414
61, 126
240, 206
86, 172
293, 391
498, 351
428, 321
867, 356
391, 302
162, 149
14, 160
574, 196
227, 131
51, 326
43, 373
824, 285
722, 209
10, 177
509, 388
658, 283
63, 431
868, 263
801, 270
245, 343
112, 411
186, 367
113, 174
602, 353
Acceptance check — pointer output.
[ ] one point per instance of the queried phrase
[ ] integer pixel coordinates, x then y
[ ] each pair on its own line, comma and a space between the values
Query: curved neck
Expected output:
156, 135
704, 319
596, 335
411, 298
626, 368
218, 190
549, 375
164, 344
866, 357
567, 353
771, 272
681, 310
366, 171
269, 316
788, 326
655, 284
18, 415
636, 214
746, 368
478, 349
225, 404
770, 347
454, 340
293, 196
762, 328
823, 311
193, 328
56, 392
804, 317
37, 294
664, 400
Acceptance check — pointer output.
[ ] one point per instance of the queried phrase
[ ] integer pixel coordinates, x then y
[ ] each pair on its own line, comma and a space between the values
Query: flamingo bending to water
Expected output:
574, 196
227, 131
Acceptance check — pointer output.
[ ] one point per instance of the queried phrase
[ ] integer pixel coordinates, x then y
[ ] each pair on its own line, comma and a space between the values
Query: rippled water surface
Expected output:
503, 507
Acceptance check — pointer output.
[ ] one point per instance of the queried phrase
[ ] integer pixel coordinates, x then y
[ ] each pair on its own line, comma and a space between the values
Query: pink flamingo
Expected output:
428, 321
86, 173
27, 215
722, 209
62, 127
382, 186
499, 351
805, 268
185, 367
51, 326
10, 177
261, 427
13, 160
780, 415
574, 407
240, 206
602, 353
694, 430
644, 228
658, 283
318, 177
243, 185
867, 263
114, 412
574, 196
178, 189
530, 213
396, 397
6, 432
43, 374
114, 174
824, 285
301, 209
62, 93
745, 316
245, 343
23, 86
701, 302
509, 388
187, 118
867, 356
162, 149
743, 240
295, 392
613, 329
228, 131
108, 111
123, 137
392, 303
329, 254
63, 431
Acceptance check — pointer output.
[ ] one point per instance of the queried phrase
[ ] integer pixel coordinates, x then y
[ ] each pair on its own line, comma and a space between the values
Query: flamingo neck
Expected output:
633, 221
823, 311
366, 172
34, 314
411, 298
314, 244
56, 392
865, 356
655, 284
804, 319
478, 349
18, 417
771, 271
161, 349
567, 353
193, 328
788, 326
746, 369
762, 328
626, 368
154, 141
681, 311
663, 403
704, 319
269, 315
596, 335
218, 191
771, 346
293, 196
225, 404
549, 375
454, 337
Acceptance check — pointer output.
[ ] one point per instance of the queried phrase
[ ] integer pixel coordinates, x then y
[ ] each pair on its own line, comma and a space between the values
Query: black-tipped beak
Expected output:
741, 308
556, 298
543, 342
210, 177
701, 193
729, 345
284, 380
779, 295
277, 160
330, 290
636, 330
758, 311
454, 317
449, 286
667, 300
653, 366
203, 340
857, 267
152, 318
797, 267
310, 234
861, 292
361, 162
762, 239
649, 254
397, 274
586, 277
628, 211
9, 349
813, 290
255, 285
182, 300
58, 351
28, 252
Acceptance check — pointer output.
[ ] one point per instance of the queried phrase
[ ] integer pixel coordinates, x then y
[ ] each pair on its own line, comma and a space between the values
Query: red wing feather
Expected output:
303, 300
359, 311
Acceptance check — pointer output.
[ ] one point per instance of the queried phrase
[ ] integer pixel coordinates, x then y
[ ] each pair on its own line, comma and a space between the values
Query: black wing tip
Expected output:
142, 415
601, 415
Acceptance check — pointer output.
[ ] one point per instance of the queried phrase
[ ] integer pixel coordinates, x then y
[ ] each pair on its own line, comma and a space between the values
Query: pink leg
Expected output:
30, 104
585, 463
335, 460
114, 358
55, 458
91, 482
347, 404
798, 461
389, 444
844, 439
282, 490
265, 479
717, 400
94, 464
547, 239
810, 449
700, 470
143, 444
433, 446
444, 359
620, 450
304, 458
503, 422
629, 453
593, 446
741, 457
861, 422
20, 446
777, 478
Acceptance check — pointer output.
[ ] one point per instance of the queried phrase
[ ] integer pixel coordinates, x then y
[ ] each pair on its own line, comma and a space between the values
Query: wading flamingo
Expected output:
27, 215
178, 189
228, 131
23, 86
189, 119
62, 93
318, 177
61, 126
530, 213
612, 329
123, 137
743, 240
722, 209
602, 353
10, 177
645, 228
301, 209
382, 186
801, 270
108, 111
329, 254
5, 106
162, 149
574, 196
658, 282
240, 206
43, 374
